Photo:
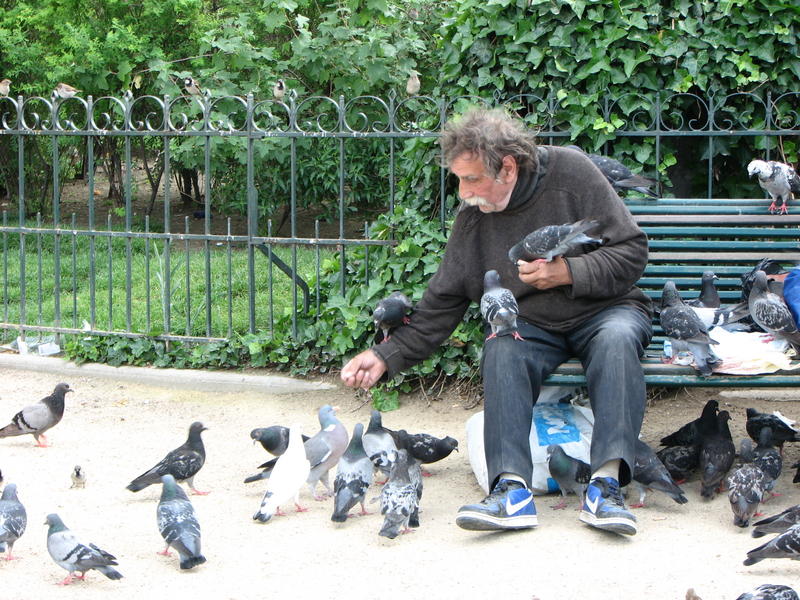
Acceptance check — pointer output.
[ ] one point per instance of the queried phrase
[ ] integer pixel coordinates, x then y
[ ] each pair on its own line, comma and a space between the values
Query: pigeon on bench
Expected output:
685, 330
779, 180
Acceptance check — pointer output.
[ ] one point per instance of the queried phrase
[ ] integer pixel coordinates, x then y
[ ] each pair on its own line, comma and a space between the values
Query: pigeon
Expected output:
499, 307
191, 86
777, 523
796, 478
786, 545
78, 476
38, 418
323, 451
685, 330
772, 268
770, 591
291, 470
717, 452
571, 474
64, 91
782, 431
353, 477
183, 463
5, 87
13, 519
178, 524
770, 312
279, 90
618, 175
413, 84
767, 458
746, 487
709, 296
779, 180
399, 497
650, 473
680, 461
423, 447
391, 312
273, 439
75, 556
688, 435
378, 443
692, 595
553, 240
415, 474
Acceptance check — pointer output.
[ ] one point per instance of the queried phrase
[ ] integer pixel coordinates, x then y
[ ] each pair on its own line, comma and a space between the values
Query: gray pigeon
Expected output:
391, 312
717, 453
746, 487
709, 296
782, 430
78, 477
796, 478
680, 461
770, 312
353, 477
183, 463
399, 497
767, 458
378, 443
273, 439
770, 591
13, 519
685, 330
71, 554
779, 180
178, 524
618, 175
571, 474
291, 470
423, 447
38, 418
499, 307
689, 434
650, 473
777, 523
786, 545
553, 240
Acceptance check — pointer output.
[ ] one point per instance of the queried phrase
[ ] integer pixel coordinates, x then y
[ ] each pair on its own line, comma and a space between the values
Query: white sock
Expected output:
608, 469
513, 477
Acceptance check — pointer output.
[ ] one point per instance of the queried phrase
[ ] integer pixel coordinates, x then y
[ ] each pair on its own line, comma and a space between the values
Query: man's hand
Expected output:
363, 370
544, 275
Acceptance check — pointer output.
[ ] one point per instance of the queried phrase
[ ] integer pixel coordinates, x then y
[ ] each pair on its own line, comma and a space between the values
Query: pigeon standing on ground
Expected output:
746, 487
38, 418
689, 434
782, 431
650, 473
178, 524
183, 463
353, 476
550, 241
378, 443
571, 474
273, 439
413, 84
5, 87
291, 470
717, 453
767, 458
65, 91
779, 180
770, 591
786, 545
399, 497
685, 330
191, 86
279, 90
618, 175
499, 307
13, 519
78, 477
425, 448
391, 312
777, 523
796, 478
73, 555
709, 296
770, 312
680, 461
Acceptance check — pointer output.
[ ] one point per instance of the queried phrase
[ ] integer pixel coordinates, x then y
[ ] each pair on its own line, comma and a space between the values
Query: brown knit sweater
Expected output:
567, 188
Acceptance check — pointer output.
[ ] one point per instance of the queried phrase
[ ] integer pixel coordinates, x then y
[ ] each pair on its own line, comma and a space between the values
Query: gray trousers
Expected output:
609, 346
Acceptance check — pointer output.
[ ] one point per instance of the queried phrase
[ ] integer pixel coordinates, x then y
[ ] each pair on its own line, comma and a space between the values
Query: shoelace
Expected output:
499, 490
613, 493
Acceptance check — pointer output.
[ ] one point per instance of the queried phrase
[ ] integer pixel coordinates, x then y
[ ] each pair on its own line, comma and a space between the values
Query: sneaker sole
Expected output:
475, 521
619, 526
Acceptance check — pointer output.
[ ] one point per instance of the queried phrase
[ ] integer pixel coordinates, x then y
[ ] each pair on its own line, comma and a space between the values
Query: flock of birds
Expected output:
298, 460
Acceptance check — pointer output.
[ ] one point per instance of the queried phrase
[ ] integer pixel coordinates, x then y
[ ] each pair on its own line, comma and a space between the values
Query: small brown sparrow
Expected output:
191, 86
279, 90
78, 477
65, 91
5, 87
412, 86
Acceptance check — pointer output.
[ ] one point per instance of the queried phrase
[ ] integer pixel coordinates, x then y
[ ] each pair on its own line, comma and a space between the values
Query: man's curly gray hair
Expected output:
490, 134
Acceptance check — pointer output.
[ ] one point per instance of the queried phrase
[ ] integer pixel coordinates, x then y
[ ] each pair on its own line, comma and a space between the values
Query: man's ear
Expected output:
508, 170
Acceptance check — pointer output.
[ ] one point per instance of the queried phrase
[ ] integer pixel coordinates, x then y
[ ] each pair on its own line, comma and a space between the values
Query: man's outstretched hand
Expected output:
363, 370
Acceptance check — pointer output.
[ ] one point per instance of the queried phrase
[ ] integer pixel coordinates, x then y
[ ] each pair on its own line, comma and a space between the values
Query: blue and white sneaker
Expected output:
604, 508
509, 506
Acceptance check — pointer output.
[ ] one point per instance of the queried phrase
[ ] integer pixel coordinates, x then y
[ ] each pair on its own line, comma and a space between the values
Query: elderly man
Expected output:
583, 305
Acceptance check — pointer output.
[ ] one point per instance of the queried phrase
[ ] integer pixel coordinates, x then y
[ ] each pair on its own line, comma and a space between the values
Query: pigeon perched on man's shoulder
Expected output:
786, 545
178, 524
685, 330
550, 241
770, 591
618, 175
499, 307
390, 313
778, 179
13, 519
38, 418
69, 553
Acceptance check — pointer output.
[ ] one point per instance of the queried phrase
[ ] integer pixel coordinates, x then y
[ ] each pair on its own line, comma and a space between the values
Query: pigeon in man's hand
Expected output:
291, 470
71, 554
782, 429
399, 497
390, 313
38, 418
770, 591
571, 474
273, 439
499, 307
618, 175
183, 463
709, 296
353, 476
550, 241
78, 477
717, 452
770, 312
786, 545
746, 487
178, 524
13, 520
685, 330
777, 523
425, 448
379, 443
650, 473
779, 180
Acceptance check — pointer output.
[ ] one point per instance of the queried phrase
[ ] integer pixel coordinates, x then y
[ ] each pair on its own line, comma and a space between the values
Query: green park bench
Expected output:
687, 237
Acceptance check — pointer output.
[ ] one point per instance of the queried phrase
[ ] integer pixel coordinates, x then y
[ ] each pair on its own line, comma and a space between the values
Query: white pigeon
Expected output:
779, 180
71, 554
290, 473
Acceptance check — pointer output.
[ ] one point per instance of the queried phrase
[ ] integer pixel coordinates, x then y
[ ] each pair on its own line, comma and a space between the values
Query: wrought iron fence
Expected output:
135, 275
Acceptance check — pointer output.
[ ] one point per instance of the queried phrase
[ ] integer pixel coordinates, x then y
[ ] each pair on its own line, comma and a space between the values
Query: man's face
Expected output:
478, 188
